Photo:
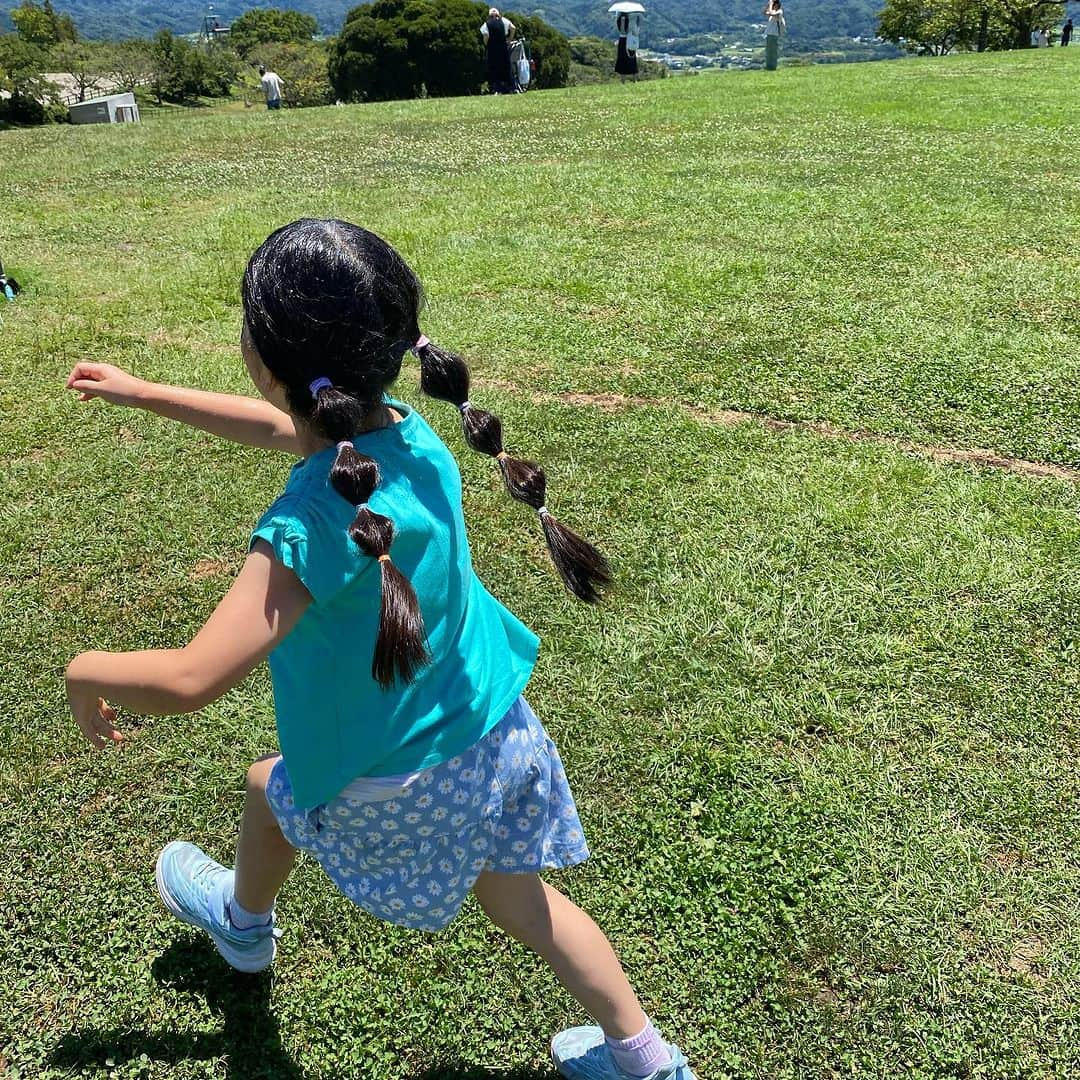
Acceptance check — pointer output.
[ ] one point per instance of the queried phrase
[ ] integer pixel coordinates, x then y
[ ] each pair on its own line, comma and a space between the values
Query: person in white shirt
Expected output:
272, 87
774, 27
774, 14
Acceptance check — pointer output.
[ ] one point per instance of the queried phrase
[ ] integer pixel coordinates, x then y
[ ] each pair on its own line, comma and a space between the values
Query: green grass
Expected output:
824, 735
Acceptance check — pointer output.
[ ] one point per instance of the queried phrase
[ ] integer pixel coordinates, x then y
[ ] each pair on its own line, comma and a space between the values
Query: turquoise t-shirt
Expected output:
335, 723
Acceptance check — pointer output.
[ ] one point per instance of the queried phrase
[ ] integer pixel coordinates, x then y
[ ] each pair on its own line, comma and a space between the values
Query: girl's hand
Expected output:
94, 715
107, 382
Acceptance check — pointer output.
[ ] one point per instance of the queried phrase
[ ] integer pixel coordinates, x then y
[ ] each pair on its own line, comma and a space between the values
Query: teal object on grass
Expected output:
335, 723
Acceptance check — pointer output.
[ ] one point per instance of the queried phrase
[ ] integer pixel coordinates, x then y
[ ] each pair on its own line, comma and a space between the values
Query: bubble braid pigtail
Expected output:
401, 649
445, 376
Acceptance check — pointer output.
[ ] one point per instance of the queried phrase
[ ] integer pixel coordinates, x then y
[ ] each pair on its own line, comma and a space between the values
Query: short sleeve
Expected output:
321, 555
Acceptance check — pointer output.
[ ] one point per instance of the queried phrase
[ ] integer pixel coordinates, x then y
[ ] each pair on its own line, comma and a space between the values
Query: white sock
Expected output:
243, 919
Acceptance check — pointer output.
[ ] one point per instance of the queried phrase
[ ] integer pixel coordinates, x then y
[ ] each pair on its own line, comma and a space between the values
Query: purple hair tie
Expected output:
421, 341
321, 383
343, 444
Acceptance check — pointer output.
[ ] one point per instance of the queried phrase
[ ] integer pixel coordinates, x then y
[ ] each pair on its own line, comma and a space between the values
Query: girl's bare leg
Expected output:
575, 948
263, 856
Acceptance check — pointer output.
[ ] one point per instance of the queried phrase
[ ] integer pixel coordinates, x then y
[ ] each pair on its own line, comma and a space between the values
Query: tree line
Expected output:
939, 27
386, 49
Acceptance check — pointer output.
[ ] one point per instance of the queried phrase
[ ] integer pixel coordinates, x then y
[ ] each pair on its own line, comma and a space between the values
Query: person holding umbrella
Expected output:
627, 24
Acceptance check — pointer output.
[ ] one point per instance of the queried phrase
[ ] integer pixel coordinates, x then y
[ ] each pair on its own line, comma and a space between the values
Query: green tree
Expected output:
445, 52
1020, 17
262, 26
929, 26
179, 71
404, 48
370, 59
63, 25
938, 27
130, 63
87, 64
21, 64
41, 25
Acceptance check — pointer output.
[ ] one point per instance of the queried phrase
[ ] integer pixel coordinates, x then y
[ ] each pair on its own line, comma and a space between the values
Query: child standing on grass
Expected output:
422, 773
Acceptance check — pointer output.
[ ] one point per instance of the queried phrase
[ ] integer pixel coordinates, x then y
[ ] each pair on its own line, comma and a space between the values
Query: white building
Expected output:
113, 109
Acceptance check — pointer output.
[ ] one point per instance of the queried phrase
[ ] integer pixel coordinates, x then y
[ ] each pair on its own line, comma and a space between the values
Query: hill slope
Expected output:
823, 736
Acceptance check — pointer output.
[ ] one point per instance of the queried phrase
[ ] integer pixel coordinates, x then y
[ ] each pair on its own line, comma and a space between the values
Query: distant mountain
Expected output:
808, 20
143, 18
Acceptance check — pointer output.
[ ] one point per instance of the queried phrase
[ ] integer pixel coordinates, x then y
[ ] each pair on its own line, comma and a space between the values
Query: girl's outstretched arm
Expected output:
258, 612
246, 420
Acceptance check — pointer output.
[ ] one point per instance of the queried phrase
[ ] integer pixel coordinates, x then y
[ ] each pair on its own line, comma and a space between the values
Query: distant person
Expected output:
1066, 33
8, 285
272, 87
774, 27
626, 57
497, 33
1042, 38
775, 24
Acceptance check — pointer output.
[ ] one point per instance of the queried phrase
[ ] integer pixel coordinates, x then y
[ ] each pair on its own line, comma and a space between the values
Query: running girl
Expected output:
411, 767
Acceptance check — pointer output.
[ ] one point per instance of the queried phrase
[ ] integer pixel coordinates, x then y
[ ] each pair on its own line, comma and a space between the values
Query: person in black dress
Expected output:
625, 59
498, 32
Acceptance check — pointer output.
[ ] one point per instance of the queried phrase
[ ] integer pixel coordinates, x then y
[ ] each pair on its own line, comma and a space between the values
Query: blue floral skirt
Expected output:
503, 805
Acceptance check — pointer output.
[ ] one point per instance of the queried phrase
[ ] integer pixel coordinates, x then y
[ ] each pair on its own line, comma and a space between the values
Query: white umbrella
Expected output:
628, 7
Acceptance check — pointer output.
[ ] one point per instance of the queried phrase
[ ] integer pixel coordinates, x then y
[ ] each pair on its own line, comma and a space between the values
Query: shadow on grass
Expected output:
249, 1039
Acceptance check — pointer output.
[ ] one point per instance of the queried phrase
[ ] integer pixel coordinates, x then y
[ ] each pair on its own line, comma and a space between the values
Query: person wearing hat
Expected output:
497, 33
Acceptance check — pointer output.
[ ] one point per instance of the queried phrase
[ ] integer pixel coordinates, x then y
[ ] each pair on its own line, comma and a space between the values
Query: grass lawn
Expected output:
823, 736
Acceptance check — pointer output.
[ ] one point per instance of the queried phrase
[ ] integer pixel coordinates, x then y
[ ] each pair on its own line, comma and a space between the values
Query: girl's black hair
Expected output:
332, 309
445, 376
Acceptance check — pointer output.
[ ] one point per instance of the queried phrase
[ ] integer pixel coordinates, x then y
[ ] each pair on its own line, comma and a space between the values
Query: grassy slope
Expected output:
823, 736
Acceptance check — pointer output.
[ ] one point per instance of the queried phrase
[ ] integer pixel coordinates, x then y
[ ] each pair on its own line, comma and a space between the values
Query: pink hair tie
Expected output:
421, 341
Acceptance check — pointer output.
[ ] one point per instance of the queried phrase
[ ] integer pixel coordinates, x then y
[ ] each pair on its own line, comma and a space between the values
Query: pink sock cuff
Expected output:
641, 1054
635, 1041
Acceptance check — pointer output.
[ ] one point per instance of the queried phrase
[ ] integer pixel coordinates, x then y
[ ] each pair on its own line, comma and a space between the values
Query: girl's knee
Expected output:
258, 776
